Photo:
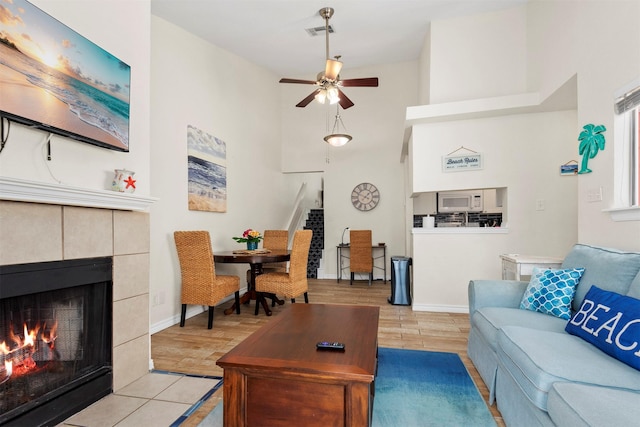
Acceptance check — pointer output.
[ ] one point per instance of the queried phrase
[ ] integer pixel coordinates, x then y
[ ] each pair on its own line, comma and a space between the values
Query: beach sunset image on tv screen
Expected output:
55, 79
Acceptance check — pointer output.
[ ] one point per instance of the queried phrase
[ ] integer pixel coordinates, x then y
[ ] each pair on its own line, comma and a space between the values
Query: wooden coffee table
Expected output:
276, 377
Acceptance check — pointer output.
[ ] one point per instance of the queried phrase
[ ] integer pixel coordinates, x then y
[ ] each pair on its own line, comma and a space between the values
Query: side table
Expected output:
514, 266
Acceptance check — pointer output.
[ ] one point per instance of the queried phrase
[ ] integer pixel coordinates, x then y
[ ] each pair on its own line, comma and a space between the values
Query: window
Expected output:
627, 146
636, 158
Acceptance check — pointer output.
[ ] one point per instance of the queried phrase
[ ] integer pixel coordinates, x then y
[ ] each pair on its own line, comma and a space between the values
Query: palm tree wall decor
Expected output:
591, 141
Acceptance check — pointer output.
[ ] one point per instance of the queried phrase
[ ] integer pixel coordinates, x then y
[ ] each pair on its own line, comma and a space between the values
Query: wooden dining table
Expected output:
255, 259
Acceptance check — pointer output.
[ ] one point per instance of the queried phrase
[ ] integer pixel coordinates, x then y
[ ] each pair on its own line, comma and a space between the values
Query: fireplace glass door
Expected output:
55, 339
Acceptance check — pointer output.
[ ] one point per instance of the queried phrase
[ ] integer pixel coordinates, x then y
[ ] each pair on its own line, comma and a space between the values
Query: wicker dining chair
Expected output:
361, 259
273, 239
294, 282
200, 283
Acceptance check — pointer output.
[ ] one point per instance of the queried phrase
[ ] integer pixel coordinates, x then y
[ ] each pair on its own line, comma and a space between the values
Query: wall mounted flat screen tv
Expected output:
54, 79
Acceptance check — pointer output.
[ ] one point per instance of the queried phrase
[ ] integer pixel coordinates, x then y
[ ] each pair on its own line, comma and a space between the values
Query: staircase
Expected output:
315, 222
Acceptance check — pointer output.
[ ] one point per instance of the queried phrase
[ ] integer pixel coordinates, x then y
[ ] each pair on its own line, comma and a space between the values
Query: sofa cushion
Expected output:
571, 404
488, 320
634, 289
611, 322
536, 359
609, 269
551, 291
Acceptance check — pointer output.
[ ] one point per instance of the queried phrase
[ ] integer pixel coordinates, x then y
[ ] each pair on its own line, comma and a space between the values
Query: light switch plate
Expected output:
594, 194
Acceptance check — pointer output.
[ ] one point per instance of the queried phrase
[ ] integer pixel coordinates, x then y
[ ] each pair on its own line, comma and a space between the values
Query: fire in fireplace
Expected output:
55, 339
34, 344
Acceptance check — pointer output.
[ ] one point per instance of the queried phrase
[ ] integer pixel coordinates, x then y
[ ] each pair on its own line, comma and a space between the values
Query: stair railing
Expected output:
297, 214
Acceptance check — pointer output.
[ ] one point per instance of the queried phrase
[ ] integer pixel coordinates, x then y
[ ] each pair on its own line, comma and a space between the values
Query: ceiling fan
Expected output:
328, 81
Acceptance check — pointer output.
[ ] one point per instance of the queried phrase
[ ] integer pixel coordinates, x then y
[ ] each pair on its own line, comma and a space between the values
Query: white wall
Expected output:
600, 41
196, 83
376, 123
520, 152
78, 164
444, 264
424, 70
478, 56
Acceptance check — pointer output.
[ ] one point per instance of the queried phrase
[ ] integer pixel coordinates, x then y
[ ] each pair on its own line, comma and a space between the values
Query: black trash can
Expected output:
400, 281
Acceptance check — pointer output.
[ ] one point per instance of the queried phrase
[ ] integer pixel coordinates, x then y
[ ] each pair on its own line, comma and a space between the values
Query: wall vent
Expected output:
316, 31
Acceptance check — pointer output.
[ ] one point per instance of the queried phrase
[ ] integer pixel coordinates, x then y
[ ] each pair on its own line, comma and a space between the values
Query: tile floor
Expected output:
153, 400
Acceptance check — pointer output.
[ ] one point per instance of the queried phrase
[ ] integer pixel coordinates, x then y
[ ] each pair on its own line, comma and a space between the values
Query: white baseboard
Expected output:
192, 310
334, 276
441, 308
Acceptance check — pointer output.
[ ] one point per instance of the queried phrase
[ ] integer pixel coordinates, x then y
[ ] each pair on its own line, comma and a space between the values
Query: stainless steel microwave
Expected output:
460, 201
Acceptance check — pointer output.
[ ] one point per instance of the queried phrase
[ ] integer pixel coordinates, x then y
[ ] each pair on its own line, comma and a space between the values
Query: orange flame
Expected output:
50, 335
18, 359
29, 336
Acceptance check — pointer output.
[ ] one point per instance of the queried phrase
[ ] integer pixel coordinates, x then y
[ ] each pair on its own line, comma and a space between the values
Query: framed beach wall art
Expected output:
54, 79
207, 164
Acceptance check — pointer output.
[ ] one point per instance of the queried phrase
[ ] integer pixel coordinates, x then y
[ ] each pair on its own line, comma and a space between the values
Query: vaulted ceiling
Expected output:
272, 33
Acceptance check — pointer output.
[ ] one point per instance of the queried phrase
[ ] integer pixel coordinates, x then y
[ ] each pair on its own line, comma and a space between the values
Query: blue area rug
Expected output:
426, 388
200, 401
417, 389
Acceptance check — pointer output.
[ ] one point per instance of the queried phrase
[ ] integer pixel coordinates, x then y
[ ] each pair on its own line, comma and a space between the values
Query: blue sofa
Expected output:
540, 375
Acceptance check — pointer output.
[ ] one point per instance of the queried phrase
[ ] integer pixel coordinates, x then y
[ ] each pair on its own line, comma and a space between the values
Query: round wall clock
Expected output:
365, 196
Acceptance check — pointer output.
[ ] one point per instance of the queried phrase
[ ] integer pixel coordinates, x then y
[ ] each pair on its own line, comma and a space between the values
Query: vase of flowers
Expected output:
251, 238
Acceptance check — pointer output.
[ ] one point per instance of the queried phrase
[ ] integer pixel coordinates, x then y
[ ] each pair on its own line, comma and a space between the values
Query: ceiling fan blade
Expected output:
345, 102
304, 82
332, 69
366, 82
308, 99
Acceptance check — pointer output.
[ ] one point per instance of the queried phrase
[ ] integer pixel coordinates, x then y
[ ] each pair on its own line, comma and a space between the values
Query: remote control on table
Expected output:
325, 345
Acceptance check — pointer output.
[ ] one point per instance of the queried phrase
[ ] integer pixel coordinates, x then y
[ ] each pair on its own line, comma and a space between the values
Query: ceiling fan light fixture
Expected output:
328, 82
332, 95
332, 69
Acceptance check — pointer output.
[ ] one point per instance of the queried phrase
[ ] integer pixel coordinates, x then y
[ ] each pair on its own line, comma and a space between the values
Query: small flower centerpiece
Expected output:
250, 237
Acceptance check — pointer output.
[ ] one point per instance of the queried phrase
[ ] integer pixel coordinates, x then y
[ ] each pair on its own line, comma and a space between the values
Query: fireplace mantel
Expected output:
56, 194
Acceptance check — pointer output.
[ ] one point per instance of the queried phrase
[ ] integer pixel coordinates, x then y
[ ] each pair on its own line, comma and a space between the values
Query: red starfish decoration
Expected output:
130, 182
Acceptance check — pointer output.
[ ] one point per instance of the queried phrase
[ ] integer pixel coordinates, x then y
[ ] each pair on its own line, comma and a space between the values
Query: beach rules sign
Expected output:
462, 162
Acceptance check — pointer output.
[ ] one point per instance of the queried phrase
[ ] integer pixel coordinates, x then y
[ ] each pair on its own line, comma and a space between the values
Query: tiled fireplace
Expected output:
33, 232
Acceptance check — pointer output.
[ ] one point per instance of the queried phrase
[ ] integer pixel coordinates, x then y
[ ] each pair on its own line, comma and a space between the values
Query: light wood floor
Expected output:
194, 349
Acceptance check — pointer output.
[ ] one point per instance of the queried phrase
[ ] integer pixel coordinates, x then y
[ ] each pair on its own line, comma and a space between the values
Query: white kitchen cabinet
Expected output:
425, 204
491, 200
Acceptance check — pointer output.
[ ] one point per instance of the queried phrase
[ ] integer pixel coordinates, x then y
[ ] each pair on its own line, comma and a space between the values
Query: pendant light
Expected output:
337, 139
